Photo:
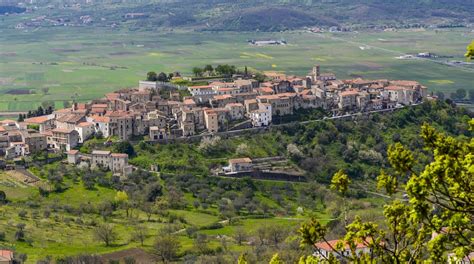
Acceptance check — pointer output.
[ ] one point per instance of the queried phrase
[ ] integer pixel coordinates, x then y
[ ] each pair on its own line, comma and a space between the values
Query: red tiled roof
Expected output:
240, 160
119, 155
6, 255
85, 124
349, 92
222, 97
37, 119
7, 121
101, 119
73, 152
327, 246
189, 102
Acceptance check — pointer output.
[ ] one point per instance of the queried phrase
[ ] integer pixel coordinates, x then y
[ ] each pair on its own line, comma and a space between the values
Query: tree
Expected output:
149, 210
242, 259
125, 147
440, 95
105, 233
121, 197
435, 220
66, 104
151, 76
470, 51
21, 118
20, 232
162, 77
140, 233
3, 197
197, 71
240, 235
460, 94
166, 247
208, 68
276, 259
45, 90
471, 95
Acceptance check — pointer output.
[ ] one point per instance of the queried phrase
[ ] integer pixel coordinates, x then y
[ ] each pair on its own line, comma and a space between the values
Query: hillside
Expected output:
213, 218
262, 15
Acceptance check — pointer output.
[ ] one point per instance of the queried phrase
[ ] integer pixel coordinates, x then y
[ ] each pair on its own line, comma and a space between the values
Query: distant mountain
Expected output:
268, 15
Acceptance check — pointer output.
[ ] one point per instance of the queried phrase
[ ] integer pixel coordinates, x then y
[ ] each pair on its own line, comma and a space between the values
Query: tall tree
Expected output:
162, 77
106, 234
440, 203
197, 71
166, 247
151, 76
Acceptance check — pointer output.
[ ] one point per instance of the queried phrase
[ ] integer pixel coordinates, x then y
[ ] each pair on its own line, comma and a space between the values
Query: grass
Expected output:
77, 64
65, 234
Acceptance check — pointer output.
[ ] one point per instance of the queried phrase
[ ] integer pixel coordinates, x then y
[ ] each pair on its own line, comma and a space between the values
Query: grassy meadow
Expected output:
85, 63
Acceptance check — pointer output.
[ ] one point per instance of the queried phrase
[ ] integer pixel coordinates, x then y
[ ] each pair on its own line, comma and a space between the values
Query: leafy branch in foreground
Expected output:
435, 222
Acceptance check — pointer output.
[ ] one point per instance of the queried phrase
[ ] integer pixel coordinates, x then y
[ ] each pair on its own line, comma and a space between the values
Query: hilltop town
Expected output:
203, 110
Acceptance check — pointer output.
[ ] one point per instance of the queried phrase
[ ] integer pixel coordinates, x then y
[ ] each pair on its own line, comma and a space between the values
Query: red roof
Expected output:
101, 119
329, 245
37, 119
119, 155
6, 255
85, 124
73, 152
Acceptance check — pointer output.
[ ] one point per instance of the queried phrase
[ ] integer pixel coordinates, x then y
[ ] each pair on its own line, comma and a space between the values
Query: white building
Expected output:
115, 162
262, 116
85, 130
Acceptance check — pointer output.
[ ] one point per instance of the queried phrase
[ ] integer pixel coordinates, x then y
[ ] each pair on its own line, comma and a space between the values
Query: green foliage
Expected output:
276, 259
340, 182
470, 51
151, 76
440, 202
242, 259
124, 147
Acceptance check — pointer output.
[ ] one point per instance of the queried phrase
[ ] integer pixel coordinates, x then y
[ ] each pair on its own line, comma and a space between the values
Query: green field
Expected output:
85, 63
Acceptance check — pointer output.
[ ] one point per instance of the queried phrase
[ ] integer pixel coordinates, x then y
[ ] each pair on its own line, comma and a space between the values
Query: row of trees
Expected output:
459, 94
38, 112
209, 70
160, 77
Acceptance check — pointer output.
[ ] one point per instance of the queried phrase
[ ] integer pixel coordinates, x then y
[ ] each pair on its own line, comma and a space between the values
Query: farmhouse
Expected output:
240, 165
325, 249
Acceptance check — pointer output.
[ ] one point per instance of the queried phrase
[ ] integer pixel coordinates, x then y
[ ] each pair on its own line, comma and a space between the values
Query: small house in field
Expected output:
240, 165
73, 156
6, 256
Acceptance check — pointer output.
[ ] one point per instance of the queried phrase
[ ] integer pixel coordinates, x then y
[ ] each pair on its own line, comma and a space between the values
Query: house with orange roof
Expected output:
282, 104
326, 248
240, 165
45, 122
348, 99
6, 256
236, 111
